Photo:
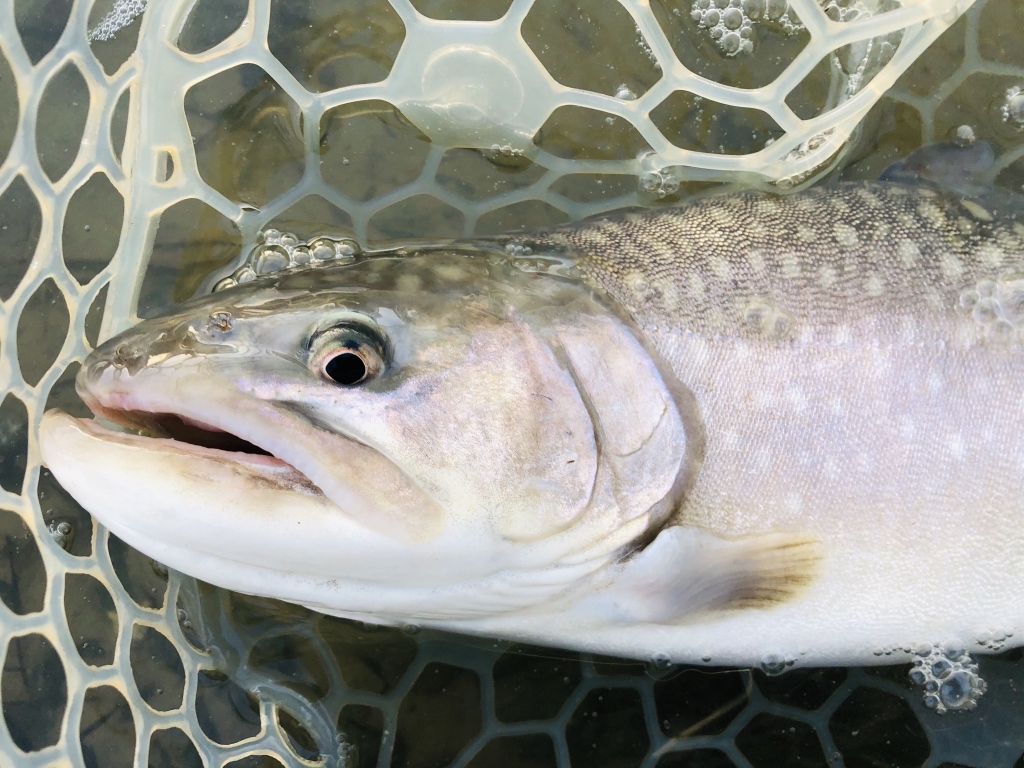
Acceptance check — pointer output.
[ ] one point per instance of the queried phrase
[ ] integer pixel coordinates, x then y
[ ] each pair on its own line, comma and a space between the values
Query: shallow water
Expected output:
172, 670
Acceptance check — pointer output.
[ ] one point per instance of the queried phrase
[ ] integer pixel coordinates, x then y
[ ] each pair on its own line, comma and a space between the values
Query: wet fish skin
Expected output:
823, 390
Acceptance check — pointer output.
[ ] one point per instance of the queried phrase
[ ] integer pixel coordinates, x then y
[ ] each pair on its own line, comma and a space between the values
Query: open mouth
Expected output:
183, 430
183, 434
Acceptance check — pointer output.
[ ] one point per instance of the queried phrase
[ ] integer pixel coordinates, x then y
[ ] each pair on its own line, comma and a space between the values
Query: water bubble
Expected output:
63, 534
271, 236
733, 18
288, 240
1012, 109
954, 650
956, 691
986, 311
624, 93
245, 275
346, 249
322, 250
754, 8
918, 677
964, 136
773, 664
931, 701
776, 9
661, 661
300, 255
969, 298
273, 258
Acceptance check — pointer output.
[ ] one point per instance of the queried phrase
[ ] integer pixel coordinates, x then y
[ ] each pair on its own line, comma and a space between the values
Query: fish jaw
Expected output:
235, 506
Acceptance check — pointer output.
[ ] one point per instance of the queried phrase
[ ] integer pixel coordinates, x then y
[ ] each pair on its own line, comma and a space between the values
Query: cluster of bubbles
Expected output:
660, 182
862, 60
123, 13
731, 22
949, 677
1012, 109
276, 251
799, 152
845, 10
998, 306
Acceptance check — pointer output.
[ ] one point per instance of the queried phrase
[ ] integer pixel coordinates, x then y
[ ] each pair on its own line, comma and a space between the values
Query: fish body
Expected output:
749, 428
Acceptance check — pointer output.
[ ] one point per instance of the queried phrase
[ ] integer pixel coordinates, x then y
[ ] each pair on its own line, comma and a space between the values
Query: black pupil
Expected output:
346, 368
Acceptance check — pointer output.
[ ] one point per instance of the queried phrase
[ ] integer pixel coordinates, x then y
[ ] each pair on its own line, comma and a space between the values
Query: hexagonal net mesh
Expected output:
138, 161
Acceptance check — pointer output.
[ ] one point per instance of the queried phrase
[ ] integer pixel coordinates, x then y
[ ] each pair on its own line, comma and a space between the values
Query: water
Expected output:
143, 662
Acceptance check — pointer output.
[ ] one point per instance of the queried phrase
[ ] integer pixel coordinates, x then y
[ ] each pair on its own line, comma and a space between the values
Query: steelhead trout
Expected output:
748, 428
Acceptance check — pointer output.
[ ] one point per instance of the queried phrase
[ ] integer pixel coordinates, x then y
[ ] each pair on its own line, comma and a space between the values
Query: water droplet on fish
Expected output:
225, 283
221, 321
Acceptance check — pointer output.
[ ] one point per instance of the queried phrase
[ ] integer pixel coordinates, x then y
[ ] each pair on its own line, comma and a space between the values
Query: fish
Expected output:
748, 430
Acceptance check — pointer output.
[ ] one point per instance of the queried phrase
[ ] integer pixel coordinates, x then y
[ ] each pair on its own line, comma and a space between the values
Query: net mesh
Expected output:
139, 161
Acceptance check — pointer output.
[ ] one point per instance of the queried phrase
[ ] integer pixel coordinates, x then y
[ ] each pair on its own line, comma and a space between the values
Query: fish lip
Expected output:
117, 407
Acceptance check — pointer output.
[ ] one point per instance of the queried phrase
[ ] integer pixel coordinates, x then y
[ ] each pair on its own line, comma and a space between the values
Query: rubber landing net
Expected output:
144, 148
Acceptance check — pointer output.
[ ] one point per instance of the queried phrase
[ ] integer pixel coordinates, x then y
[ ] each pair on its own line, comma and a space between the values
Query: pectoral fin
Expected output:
687, 572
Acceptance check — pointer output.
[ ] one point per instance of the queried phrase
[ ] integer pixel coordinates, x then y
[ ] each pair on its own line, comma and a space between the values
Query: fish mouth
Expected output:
180, 429
269, 443
176, 433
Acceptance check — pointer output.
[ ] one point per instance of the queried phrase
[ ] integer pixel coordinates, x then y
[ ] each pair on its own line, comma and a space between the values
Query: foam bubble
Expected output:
949, 677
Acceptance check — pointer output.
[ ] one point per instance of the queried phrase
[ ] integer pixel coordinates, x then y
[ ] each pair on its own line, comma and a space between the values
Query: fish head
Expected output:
382, 436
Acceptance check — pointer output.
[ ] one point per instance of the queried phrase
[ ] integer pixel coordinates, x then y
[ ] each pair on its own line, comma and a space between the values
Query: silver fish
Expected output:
750, 427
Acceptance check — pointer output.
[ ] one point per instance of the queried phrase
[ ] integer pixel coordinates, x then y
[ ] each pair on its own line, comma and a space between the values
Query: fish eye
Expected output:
346, 368
347, 355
